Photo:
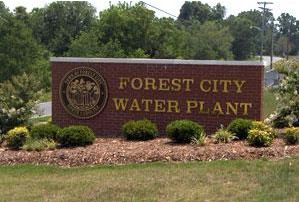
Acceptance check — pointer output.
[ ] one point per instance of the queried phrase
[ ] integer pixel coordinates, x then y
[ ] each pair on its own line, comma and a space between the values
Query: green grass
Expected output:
258, 180
270, 103
36, 120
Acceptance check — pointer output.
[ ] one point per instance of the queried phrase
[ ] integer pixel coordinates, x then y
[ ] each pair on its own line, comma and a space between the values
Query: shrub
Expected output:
223, 136
261, 135
49, 121
17, 97
199, 139
183, 131
240, 127
259, 138
140, 130
73, 136
34, 144
17, 137
287, 94
2, 138
263, 127
48, 131
280, 122
292, 136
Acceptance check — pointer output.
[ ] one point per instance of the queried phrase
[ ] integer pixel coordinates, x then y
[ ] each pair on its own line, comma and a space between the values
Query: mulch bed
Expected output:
119, 151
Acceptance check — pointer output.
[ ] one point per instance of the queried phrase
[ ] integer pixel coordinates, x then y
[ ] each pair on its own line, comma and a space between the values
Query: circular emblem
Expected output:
83, 92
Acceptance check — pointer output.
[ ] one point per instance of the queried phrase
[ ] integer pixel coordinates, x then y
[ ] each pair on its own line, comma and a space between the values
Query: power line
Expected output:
159, 9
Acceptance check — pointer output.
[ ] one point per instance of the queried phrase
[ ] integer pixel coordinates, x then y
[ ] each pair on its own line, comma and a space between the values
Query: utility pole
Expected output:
288, 40
264, 9
272, 45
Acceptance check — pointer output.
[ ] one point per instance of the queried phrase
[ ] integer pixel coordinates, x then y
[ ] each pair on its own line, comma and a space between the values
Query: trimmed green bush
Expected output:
223, 136
240, 127
261, 135
17, 137
140, 130
183, 131
75, 135
259, 125
48, 131
292, 136
259, 138
33, 144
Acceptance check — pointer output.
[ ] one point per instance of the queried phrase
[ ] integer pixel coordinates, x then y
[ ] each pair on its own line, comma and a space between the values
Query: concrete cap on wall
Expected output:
156, 61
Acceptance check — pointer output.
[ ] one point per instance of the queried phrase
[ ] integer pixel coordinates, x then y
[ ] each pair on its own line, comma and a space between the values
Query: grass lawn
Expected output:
270, 103
39, 119
258, 180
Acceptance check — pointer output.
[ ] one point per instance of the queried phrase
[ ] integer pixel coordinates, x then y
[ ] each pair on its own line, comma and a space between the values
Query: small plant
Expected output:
48, 131
199, 139
261, 135
33, 144
259, 138
140, 130
183, 131
264, 127
74, 136
240, 127
2, 138
17, 137
223, 136
49, 121
280, 122
292, 136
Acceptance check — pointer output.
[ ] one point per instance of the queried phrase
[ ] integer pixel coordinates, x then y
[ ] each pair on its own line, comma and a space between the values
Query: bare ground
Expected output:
106, 151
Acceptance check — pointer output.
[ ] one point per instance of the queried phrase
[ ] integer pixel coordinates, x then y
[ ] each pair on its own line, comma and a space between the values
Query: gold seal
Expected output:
83, 92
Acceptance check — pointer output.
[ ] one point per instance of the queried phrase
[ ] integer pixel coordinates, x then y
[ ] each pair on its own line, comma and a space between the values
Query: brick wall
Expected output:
109, 121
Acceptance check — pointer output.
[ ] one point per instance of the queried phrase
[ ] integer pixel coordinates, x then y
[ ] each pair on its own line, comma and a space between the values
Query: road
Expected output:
44, 109
267, 60
271, 76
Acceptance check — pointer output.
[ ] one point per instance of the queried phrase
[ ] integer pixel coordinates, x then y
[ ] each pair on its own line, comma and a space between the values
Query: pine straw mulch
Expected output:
119, 151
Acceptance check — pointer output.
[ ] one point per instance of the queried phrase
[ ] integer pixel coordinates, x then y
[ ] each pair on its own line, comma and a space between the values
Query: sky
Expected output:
232, 6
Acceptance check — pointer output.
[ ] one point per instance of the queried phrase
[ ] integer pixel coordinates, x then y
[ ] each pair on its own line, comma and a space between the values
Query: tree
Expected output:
210, 41
169, 39
56, 25
218, 12
17, 100
129, 31
131, 26
243, 46
18, 49
22, 15
196, 10
256, 18
87, 44
282, 47
286, 23
288, 27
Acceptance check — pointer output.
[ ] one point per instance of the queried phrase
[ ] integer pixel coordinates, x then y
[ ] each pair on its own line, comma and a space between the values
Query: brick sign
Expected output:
106, 93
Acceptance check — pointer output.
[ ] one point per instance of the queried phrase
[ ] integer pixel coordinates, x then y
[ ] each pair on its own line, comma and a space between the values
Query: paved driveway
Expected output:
44, 109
